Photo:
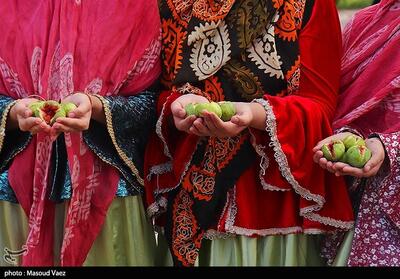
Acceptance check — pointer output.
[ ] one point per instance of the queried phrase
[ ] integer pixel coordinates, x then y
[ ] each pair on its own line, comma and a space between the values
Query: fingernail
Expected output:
71, 114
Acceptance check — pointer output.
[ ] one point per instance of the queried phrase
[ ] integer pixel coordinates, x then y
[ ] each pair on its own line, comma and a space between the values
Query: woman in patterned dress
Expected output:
79, 182
369, 106
246, 191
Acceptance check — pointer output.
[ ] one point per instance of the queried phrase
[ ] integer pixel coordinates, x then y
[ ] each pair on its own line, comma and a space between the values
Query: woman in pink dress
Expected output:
101, 55
369, 106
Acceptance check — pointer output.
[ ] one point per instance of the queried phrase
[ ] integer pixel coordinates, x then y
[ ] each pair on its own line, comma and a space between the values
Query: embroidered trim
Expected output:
264, 164
3, 123
120, 152
159, 169
159, 130
180, 179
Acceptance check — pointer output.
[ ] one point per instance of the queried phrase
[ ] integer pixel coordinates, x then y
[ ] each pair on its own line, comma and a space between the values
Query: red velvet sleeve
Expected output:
296, 123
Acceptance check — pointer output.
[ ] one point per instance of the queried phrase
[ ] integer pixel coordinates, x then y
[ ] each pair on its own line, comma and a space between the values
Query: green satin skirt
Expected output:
126, 239
280, 250
344, 250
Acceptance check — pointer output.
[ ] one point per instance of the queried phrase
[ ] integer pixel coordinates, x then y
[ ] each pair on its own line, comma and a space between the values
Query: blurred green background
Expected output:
353, 4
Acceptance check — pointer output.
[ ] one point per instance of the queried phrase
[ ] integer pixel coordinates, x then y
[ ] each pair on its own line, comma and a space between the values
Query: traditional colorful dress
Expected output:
370, 106
53, 49
257, 195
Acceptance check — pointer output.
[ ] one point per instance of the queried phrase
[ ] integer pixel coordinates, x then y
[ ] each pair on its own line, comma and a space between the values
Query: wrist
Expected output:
258, 116
97, 108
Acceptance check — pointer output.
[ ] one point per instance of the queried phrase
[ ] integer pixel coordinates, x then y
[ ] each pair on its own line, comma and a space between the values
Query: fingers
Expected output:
61, 128
242, 119
317, 156
184, 124
178, 110
72, 124
209, 122
349, 170
319, 145
200, 128
80, 111
375, 161
239, 120
26, 124
372, 172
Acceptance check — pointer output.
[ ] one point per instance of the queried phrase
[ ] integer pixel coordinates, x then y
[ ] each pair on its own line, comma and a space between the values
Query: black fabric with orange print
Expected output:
225, 50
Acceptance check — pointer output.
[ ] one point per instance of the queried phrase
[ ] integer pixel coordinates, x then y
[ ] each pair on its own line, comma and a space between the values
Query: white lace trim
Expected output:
159, 169
280, 157
214, 234
265, 232
330, 221
264, 164
232, 210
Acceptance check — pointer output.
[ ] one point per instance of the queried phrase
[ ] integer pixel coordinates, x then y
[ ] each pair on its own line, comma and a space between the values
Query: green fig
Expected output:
334, 150
357, 156
228, 110
59, 113
353, 140
35, 107
190, 109
215, 108
200, 107
68, 107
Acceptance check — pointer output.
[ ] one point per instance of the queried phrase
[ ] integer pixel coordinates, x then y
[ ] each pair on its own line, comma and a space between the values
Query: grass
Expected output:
353, 4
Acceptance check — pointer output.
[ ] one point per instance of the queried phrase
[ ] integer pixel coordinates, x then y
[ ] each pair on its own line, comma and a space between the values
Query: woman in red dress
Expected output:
250, 183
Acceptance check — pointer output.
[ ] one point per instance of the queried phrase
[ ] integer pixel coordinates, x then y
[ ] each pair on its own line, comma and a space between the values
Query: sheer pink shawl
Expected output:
370, 84
52, 49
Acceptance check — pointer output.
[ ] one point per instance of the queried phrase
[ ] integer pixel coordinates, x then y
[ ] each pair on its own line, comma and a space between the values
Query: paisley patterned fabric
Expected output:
223, 50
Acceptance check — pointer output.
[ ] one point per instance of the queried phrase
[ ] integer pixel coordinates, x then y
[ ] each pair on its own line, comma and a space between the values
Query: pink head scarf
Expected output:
52, 49
370, 86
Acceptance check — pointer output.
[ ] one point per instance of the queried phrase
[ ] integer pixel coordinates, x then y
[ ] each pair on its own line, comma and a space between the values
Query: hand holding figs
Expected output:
351, 150
50, 110
224, 110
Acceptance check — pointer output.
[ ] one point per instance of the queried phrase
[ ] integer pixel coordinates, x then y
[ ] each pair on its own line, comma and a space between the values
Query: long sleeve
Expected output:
389, 192
129, 120
11, 141
296, 123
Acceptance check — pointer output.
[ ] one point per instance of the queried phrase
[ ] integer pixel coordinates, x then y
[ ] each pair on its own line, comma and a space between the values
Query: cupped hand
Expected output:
78, 119
370, 169
22, 117
211, 125
181, 121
